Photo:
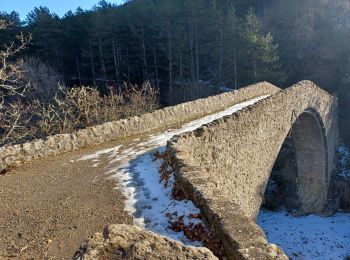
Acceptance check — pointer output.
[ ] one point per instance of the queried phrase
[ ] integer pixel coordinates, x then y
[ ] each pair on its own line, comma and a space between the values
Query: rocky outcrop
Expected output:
131, 242
150, 122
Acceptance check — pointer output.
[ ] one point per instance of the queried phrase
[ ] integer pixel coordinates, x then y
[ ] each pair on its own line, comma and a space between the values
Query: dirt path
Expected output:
49, 207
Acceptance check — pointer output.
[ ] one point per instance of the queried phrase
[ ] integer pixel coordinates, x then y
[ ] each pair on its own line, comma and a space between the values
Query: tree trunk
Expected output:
128, 63
145, 71
92, 63
235, 67
296, 11
116, 62
197, 55
220, 60
190, 34
255, 72
181, 77
180, 71
78, 70
102, 61
170, 65
156, 66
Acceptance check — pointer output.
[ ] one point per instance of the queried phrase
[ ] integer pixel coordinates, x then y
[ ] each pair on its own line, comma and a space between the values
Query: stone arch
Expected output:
310, 144
309, 177
224, 166
237, 153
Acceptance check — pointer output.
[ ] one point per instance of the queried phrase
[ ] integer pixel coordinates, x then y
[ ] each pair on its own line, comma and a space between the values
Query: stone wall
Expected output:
224, 166
155, 121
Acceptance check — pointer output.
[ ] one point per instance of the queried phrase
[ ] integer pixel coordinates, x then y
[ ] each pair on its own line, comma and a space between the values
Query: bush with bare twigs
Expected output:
73, 109
12, 72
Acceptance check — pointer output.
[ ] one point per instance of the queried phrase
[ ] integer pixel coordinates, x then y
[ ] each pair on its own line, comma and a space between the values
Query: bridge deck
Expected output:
49, 207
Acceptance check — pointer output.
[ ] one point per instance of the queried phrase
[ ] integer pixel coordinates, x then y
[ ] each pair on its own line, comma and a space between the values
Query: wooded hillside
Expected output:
189, 48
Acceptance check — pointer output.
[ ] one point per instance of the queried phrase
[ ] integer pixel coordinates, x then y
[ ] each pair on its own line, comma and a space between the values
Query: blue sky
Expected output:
60, 7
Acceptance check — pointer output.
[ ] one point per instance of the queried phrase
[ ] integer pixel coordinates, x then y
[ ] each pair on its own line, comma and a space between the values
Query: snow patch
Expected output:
149, 201
343, 165
97, 154
310, 237
226, 89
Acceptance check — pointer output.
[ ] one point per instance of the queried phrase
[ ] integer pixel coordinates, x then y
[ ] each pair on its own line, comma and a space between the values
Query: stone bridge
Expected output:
224, 166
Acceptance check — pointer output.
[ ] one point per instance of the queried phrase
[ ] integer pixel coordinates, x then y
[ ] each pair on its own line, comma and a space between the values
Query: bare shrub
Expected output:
15, 122
43, 78
85, 106
140, 99
112, 106
12, 73
73, 109
46, 119
14, 115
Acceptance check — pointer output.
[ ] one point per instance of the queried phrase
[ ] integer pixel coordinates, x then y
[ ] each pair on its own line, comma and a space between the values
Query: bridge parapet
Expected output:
224, 166
158, 120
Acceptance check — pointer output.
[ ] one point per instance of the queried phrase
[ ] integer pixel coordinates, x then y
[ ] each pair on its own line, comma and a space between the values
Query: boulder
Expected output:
131, 242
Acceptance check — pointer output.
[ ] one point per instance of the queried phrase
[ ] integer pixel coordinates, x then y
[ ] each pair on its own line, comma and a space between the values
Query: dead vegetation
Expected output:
12, 73
194, 232
198, 232
71, 109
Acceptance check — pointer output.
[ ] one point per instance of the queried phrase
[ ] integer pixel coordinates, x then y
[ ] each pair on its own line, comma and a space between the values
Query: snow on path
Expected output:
310, 237
97, 154
147, 200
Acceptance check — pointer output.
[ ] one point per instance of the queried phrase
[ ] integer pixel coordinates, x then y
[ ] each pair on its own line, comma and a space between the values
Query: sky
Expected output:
60, 7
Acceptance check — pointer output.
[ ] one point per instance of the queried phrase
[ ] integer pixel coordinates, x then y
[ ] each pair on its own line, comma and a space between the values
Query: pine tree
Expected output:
232, 48
261, 58
47, 35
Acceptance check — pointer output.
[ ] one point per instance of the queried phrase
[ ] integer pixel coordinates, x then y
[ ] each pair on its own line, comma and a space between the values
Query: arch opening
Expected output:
299, 178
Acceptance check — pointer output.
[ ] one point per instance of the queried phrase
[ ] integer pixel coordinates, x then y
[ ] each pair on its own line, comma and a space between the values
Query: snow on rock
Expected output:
116, 240
343, 165
308, 238
146, 198
226, 89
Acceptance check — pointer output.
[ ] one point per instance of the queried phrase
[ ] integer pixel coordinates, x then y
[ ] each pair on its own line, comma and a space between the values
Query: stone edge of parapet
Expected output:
157, 120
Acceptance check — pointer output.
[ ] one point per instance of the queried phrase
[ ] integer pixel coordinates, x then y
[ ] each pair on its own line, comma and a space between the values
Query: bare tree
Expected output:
12, 73
43, 78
